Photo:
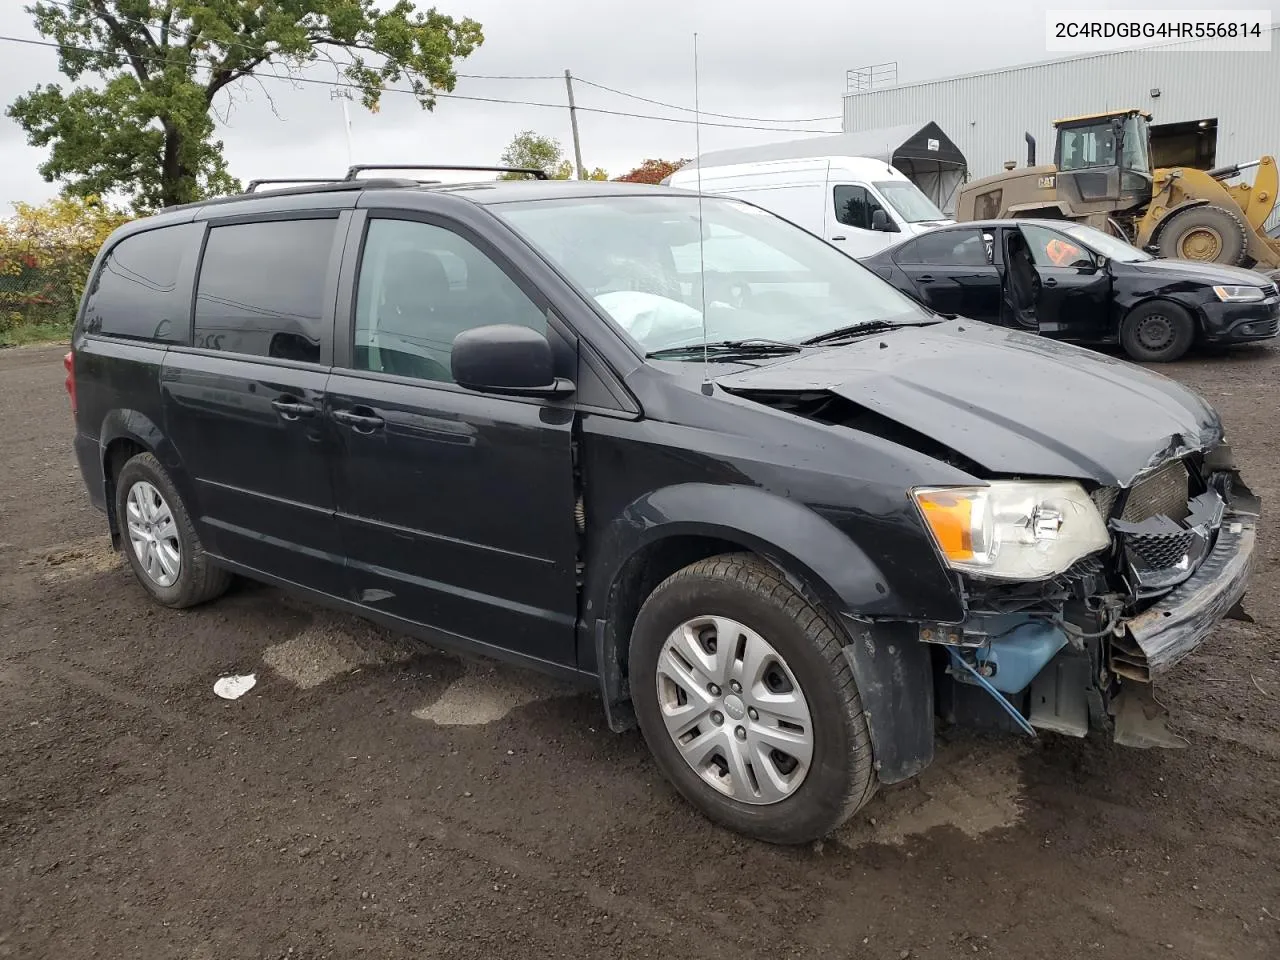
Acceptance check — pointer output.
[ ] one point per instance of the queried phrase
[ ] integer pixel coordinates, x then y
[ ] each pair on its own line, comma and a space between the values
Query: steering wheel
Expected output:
724, 289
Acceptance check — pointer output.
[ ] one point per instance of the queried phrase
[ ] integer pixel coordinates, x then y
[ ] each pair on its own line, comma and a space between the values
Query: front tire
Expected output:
1157, 332
746, 701
159, 539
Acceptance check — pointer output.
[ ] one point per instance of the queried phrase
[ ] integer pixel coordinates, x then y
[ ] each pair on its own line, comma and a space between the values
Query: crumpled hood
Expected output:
1011, 402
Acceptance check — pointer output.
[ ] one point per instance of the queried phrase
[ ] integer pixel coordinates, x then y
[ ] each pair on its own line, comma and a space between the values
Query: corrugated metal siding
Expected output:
986, 114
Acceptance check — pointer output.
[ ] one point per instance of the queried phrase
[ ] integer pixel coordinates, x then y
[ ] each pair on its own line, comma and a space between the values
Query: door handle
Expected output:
839, 238
1050, 282
291, 409
926, 278
359, 422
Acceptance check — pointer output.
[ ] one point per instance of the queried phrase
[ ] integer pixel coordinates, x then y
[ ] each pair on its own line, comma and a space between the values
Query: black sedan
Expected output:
1072, 282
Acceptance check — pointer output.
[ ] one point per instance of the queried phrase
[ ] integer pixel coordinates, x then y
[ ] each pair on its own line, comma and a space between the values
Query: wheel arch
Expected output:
125, 433
891, 667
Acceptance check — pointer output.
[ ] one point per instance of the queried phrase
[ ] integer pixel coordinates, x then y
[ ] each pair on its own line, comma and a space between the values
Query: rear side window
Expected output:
142, 291
262, 288
956, 248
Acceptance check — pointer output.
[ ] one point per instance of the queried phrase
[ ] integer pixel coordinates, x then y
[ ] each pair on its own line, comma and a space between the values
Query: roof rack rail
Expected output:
254, 184
352, 172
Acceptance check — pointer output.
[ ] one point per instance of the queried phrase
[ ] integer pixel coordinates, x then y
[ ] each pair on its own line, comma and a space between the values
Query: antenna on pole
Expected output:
707, 388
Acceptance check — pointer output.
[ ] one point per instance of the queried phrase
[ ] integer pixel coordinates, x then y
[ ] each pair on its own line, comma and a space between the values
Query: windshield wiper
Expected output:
727, 349
865, 327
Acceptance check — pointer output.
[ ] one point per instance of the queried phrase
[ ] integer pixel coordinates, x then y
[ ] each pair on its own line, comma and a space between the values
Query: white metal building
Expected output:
986, 114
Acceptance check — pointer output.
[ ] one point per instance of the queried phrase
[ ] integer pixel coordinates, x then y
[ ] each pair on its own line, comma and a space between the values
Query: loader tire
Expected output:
1208, 234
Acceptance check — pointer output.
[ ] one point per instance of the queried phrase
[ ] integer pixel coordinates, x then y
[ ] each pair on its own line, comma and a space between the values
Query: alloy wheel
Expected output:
735, 710
153, 533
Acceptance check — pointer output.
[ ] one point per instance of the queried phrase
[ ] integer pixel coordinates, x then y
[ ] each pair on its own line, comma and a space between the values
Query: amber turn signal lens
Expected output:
950, 517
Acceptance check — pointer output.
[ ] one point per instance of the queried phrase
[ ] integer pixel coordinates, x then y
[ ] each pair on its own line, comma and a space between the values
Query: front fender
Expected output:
787, 533
891, 666
1149, 227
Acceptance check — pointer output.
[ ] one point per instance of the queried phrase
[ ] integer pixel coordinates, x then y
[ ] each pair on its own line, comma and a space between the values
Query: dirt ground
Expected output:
372, 798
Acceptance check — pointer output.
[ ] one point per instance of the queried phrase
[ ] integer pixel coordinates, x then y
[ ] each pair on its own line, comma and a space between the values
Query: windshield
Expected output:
639, 258
912, 205
1111, 247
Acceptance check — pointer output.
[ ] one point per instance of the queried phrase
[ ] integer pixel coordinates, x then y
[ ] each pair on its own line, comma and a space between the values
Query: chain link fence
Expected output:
42, 292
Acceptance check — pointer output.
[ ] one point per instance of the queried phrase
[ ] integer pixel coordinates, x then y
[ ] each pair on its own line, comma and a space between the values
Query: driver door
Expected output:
455, 506
1073, 292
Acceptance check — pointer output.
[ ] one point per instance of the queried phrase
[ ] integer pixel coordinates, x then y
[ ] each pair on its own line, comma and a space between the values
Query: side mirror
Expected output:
506, 359
880, 221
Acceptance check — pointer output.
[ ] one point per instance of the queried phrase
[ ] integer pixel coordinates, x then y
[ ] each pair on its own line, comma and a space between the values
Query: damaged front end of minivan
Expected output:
1083, 649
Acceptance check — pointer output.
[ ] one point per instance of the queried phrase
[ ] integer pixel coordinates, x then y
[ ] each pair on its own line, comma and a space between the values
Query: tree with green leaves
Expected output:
653, 171
143, 124
532, 151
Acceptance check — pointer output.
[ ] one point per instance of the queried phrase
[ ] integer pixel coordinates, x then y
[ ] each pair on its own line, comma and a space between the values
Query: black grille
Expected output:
1269, 328
1104, 498
1160, 493
1160, 550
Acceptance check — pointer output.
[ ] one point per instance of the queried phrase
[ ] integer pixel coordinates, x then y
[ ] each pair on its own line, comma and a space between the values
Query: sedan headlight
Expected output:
1013, 530
1238, 294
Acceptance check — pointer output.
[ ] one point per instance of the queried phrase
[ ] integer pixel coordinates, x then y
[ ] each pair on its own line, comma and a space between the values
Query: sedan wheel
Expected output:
153, 534
734, 710
1155, 332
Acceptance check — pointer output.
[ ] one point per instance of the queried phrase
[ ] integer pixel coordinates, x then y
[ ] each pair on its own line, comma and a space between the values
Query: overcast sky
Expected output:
775, 60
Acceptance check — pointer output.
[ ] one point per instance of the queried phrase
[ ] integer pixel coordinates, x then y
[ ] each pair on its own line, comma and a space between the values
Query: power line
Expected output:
705, 113
121, 58
488, 76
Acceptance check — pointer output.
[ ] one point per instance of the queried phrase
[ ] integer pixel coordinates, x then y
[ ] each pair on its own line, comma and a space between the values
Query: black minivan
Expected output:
787, 519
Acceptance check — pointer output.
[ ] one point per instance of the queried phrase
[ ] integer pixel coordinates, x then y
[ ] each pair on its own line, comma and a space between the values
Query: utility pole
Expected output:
573, 121
343, 94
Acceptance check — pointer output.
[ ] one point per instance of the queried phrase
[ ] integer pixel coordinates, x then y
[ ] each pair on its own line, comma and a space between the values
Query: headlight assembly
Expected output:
1013, 530
1238, 294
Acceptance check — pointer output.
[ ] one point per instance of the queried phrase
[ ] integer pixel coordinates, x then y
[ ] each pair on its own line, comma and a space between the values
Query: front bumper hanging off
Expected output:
1157, 639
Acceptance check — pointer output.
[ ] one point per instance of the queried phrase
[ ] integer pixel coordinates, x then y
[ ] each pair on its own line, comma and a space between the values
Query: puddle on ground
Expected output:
331, 646
973, 787
485, 693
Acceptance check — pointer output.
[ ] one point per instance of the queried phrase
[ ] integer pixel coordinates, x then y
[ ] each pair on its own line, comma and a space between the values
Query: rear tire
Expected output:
736, 762
1157, 332
1208, 234
159, 539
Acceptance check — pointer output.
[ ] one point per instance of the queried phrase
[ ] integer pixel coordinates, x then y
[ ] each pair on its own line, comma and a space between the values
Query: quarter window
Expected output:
420, 286
262, 288
142, 290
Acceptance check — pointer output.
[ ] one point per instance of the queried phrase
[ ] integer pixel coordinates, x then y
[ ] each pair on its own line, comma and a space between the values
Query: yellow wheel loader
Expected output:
1103, 175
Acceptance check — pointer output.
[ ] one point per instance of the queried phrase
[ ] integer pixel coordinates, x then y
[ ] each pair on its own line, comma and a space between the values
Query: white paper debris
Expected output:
233, 688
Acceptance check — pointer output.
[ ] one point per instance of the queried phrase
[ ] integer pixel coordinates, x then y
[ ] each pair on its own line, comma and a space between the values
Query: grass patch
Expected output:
29, 333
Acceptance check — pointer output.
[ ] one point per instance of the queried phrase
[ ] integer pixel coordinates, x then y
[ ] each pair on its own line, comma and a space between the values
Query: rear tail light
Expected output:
69, 361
